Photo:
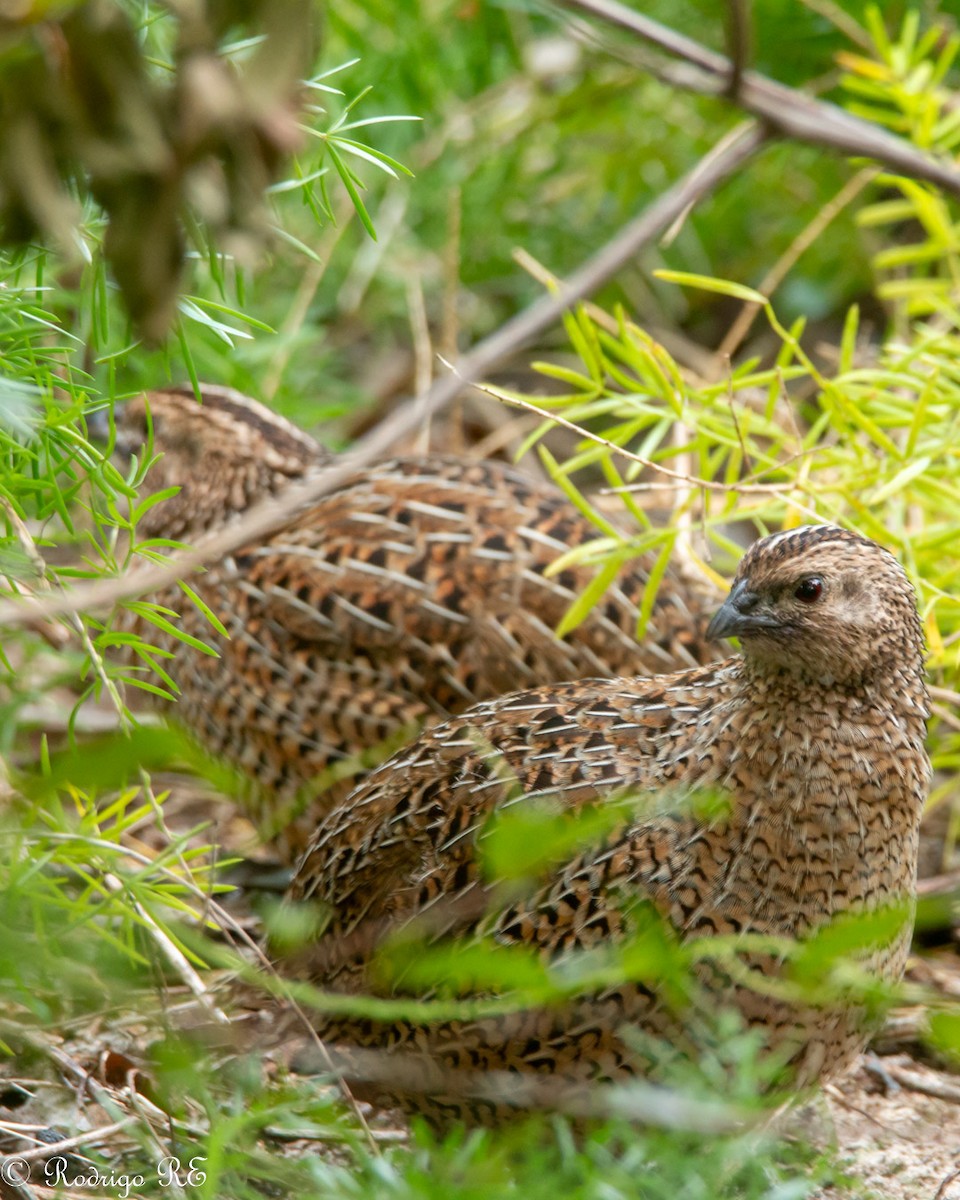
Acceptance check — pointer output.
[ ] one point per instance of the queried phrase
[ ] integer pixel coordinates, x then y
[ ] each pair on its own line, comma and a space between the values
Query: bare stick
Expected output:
738, 42
173, 954
927, 1085
271, 514
941, 1191
782, 108
89, 1138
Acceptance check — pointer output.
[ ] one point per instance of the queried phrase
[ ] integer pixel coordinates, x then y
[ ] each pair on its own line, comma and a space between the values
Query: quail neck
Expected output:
831, 676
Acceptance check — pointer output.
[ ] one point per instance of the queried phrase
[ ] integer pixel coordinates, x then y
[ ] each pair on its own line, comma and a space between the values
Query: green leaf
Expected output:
900, 481
575, 497
462, 969
107, 762
204, 608
590, 597
525, 839
944, 1033
848, 341
154, 617
705, 283
654, 580
347, 178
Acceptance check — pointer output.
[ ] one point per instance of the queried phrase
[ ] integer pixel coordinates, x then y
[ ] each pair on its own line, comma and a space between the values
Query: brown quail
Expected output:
816, 737
416, 589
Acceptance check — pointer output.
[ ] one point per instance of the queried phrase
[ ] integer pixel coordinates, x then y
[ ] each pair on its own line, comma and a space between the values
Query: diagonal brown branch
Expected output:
266, 517
783, 109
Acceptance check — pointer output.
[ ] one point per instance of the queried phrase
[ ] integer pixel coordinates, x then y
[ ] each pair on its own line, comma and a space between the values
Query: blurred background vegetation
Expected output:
524, 137
165, 218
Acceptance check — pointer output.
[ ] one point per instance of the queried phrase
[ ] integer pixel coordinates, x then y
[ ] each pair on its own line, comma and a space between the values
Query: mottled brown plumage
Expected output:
816, 735
222, 455
416, 589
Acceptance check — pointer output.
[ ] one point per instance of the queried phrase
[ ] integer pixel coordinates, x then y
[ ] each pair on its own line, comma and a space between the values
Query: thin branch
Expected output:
941, 1191
228, 925
638, 1101
269, 515
784, 109
111, 1106
39, 565
841, 21
736, 425
91, 1137
422, 351
738, 42
694, 481
946, 716
302, 299
939, 885
927, 1085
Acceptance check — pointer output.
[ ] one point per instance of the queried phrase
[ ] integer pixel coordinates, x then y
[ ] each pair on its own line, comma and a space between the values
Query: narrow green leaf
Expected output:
204, 608
653, 586
347, 180
581, 608
900, 481
705, 283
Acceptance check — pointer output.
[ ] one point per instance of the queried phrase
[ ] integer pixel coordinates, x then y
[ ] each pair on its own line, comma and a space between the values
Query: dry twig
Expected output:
927, 1085
780, 269
677, 477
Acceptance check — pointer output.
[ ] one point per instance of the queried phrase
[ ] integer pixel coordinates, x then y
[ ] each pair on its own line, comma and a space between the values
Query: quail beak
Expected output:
737, 615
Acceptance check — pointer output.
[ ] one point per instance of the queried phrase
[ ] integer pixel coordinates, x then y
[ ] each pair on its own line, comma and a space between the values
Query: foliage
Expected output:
84, 99
871, 442
517, 147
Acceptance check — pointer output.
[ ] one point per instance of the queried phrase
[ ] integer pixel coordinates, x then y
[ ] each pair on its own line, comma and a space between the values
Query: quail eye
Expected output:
809, 590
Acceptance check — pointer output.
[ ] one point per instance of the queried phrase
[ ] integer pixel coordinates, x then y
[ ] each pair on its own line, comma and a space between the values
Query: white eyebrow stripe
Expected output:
784, 534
